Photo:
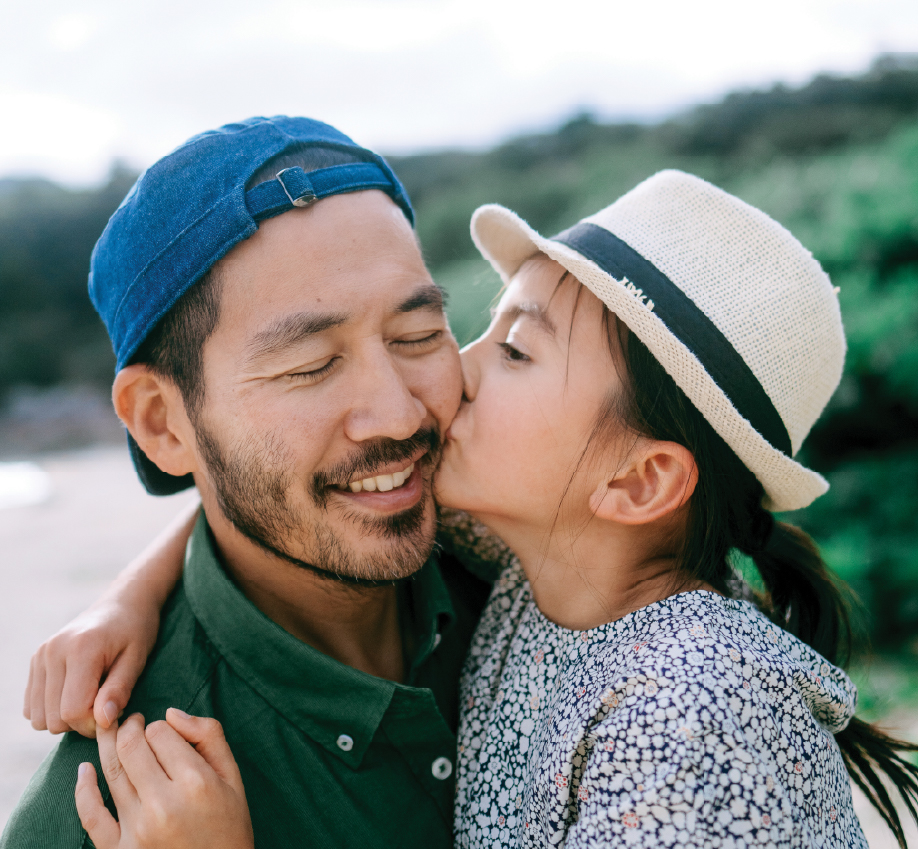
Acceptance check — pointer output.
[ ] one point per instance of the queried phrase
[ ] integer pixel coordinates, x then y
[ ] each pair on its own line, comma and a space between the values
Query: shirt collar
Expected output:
321, 696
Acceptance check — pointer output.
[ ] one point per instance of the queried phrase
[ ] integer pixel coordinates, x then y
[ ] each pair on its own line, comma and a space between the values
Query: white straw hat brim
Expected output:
507, 241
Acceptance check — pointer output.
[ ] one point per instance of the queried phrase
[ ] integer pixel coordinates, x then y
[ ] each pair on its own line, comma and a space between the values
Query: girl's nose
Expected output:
469, 356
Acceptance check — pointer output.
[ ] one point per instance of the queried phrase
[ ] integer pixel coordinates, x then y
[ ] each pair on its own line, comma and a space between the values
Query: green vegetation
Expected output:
836, 161
49, 331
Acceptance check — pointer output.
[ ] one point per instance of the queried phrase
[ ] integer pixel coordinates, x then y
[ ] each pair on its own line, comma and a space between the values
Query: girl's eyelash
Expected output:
512, 353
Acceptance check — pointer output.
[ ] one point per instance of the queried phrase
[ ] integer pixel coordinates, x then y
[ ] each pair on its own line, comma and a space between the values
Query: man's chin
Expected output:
383, 549
361, 550
322, 533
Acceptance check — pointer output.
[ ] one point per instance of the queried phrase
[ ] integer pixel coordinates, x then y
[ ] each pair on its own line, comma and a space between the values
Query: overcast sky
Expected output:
82, 83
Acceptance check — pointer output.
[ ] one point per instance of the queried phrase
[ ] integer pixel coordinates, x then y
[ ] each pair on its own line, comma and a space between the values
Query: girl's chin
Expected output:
449, 487
447, 496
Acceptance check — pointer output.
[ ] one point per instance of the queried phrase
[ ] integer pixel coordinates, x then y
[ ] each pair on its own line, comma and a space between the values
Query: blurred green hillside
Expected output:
836, 161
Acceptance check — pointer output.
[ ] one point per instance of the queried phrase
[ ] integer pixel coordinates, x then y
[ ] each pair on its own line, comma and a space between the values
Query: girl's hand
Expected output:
83, 676
169, 794
110, 641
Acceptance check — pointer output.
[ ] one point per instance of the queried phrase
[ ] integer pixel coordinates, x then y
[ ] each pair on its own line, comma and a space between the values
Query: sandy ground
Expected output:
55, 558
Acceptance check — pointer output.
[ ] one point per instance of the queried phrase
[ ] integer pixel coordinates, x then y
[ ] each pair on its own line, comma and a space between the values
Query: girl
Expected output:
629, 423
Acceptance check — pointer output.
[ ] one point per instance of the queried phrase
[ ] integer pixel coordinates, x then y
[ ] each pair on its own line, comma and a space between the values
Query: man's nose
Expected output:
384, 405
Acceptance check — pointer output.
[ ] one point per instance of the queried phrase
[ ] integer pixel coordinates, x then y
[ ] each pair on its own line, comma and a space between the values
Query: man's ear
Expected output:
152, 409
658, 478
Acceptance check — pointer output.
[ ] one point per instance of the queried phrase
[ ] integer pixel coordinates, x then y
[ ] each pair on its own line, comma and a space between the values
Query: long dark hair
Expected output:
725, 513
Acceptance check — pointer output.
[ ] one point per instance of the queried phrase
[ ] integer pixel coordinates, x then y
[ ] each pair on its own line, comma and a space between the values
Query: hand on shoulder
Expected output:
110, 641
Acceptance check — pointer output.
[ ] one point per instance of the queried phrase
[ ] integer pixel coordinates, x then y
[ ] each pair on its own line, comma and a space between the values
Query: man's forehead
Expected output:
361, 227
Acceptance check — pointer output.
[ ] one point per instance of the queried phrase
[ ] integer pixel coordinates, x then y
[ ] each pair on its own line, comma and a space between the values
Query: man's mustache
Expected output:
376, 454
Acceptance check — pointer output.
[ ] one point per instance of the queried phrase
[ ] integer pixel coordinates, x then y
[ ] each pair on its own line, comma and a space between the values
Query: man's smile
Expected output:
395, 488
383, 482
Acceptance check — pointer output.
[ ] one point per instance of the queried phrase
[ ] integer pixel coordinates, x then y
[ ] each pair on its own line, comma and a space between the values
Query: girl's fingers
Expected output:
123, 792
207, 736
81, 684
27, 699
115, 691
55, 675
140, 765
37, 705
175, 754
101, 826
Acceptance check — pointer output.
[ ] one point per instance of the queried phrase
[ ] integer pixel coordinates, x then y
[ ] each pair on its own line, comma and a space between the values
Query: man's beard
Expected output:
252, 483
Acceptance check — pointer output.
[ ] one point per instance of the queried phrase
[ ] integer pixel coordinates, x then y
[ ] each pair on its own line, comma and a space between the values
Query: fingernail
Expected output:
181, 713
82, 770
111, 712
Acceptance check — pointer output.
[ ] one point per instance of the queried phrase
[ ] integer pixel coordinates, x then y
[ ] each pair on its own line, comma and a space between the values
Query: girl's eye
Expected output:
419, 343
512, 354
314, 375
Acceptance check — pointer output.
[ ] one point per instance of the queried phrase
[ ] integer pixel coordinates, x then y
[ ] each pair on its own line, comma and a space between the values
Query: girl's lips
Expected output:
394, 501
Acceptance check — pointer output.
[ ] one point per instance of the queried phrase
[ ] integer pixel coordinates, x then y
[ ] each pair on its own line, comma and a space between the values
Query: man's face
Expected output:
329, 380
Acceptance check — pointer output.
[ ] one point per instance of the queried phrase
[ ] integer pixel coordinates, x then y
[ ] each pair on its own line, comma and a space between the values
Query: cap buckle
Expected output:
305, 195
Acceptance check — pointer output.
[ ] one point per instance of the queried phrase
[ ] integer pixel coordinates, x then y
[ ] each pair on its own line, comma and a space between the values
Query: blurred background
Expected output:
807, 109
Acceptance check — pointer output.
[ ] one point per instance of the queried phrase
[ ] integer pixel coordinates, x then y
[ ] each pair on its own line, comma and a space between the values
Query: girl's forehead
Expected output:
539, 271
543, 282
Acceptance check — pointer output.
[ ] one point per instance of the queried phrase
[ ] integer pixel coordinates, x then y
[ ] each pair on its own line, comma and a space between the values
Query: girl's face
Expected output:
535, 384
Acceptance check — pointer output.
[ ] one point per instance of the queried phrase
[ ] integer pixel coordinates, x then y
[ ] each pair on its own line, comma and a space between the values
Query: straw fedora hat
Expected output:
732, 306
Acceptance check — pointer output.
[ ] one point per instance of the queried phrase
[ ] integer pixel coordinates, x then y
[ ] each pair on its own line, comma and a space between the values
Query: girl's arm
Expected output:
84, 674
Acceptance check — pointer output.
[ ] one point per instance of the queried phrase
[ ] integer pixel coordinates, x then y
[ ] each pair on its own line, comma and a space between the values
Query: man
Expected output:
281, 345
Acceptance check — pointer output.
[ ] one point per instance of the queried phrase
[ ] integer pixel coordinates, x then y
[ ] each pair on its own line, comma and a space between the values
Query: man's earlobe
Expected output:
658, 479
151, 408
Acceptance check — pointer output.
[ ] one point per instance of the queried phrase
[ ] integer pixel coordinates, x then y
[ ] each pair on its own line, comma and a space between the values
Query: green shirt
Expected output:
330, 756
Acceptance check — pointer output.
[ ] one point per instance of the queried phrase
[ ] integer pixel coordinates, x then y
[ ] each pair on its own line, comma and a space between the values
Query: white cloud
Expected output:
55, 136
72, 31
137, 78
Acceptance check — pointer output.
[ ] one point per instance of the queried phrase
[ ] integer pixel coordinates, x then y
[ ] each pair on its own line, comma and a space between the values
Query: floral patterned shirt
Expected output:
692, 722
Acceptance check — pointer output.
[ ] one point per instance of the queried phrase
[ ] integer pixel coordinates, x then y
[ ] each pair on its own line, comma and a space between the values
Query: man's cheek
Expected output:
446, 394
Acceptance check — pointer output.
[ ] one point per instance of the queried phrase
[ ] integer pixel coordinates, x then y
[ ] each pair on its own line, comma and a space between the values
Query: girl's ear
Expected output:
658, 478
152, 409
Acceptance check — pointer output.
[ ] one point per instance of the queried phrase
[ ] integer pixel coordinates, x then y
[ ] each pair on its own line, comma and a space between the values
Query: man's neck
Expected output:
357, 626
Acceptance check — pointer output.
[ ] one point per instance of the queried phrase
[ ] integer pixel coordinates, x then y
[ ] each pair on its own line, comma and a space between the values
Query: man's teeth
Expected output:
382, 483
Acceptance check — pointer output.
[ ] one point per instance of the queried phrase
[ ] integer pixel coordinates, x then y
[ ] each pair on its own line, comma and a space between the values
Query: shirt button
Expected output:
442, 768
345, 743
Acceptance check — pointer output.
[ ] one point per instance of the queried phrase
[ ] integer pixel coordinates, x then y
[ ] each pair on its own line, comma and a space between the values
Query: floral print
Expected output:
692, 722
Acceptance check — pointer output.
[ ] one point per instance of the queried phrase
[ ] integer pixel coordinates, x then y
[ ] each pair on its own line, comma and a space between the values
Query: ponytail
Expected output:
804, 599
867, 752
801, 595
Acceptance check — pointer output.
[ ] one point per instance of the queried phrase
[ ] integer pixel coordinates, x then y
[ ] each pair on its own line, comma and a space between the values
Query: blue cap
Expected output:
189, 209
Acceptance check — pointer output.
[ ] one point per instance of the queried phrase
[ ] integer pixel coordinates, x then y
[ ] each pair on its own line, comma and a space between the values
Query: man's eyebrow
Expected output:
531, 310
288, 331
429, 297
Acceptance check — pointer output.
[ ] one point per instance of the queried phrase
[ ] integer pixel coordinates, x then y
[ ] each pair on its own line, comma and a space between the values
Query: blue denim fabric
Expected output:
189, 209
186, 212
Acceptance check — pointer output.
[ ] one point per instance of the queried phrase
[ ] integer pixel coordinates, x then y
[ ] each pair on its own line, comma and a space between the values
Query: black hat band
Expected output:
687, 323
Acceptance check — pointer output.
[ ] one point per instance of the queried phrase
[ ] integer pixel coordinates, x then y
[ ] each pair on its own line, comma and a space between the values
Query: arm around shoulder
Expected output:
110, 640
